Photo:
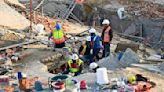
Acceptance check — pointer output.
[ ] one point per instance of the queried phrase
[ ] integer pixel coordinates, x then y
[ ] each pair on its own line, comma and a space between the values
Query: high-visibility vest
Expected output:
58, 36
84, 49
106, 35
73, 70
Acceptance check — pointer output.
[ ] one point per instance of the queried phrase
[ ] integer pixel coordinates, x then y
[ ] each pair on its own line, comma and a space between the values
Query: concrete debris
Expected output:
68, 27
111, 63
157, 58
144, 8
129, 57
16, 3
124, 46
11, 37
161, 66
11, 18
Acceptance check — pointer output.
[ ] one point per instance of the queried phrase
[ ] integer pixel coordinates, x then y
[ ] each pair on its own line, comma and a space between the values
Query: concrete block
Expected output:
124, 46
128, 58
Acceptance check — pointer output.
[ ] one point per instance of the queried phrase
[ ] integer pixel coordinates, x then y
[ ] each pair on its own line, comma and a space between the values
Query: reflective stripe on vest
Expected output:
106, 35
73, 70
58, 36
84, 49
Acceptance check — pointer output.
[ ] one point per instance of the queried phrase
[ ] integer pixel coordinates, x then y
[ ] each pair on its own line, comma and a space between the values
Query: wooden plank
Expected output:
16, 45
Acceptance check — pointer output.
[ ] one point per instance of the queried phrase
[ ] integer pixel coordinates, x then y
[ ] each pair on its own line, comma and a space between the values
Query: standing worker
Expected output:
75, 65
84, 50
58, 36
96, 45
106, 36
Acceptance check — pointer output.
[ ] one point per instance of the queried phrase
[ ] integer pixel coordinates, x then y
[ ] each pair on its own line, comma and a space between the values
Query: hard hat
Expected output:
105, 21
88, 38
75, 57
132, 79
92, 30
58, 26
93, 65
24, 75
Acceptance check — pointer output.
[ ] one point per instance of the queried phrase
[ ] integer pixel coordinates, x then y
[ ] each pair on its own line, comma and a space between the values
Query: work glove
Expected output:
80, 56
91, 51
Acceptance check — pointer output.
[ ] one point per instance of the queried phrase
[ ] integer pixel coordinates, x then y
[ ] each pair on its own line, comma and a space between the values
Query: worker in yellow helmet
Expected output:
75, 65
58, 36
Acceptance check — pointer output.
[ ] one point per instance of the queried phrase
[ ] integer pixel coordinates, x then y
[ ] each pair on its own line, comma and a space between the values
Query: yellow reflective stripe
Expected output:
84, 49
74, 69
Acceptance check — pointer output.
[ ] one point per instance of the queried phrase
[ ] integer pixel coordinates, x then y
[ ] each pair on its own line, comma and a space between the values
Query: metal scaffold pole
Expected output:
30, 16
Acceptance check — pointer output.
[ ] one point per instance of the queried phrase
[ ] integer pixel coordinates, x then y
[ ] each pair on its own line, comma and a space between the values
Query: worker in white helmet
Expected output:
106, 36
84, 50
25, 84
75, 65
95, 45
93, 66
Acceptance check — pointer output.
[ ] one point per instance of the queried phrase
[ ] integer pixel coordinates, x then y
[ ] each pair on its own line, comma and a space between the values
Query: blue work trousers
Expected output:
106, 51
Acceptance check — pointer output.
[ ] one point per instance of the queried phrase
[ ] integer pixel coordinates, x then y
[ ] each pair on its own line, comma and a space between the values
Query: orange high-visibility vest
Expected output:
106, 35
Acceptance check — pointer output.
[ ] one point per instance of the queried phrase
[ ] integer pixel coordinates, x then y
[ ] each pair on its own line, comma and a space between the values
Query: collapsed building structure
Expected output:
138, 26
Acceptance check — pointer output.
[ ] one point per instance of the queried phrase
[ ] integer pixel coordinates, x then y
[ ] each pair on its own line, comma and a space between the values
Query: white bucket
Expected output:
102, 77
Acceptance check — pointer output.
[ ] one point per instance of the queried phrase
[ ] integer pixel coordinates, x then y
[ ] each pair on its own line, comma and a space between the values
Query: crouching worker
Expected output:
84, 50
58, 36
74, 66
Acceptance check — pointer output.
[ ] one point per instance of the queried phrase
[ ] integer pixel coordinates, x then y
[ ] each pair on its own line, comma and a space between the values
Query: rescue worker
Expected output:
25, 84
75, 65
106, 36
96, 45
84, 50
58, 36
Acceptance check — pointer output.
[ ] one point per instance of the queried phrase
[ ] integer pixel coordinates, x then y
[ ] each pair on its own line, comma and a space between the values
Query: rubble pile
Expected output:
144, 8
161, 66
67, 26
11, 19
110, 63
11, 37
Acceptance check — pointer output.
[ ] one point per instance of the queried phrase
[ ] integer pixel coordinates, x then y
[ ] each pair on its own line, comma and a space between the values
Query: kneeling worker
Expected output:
74, 66
84, 50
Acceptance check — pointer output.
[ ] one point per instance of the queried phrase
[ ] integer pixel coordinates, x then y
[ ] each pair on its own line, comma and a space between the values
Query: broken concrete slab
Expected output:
11, 18
161, 66
129, 57
124, 46
149, 67
111, 63
156, 58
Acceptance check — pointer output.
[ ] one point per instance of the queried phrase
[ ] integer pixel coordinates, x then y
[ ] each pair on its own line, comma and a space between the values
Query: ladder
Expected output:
69, 10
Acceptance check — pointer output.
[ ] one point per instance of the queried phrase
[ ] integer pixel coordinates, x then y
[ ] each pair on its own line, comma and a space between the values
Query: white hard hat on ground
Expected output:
106, 21
93, 65
92, 30
75, 57
88, 38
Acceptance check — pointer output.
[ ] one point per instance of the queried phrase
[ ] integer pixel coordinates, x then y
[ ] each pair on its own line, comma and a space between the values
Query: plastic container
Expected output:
102, 77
